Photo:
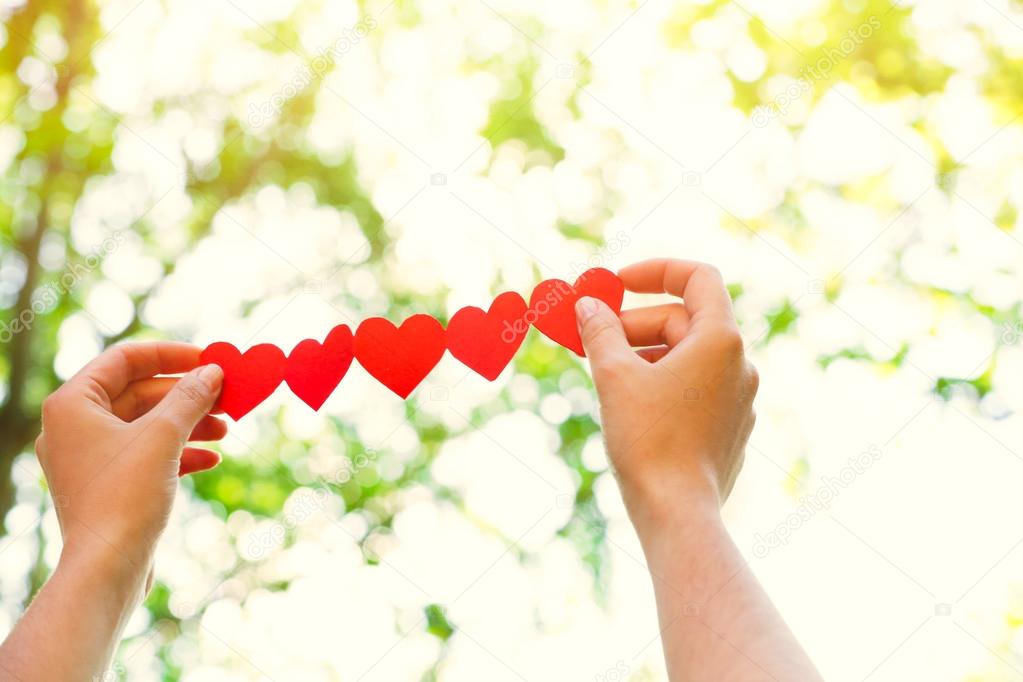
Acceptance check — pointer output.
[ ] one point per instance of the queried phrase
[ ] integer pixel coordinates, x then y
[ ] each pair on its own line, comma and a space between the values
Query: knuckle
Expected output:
120, 351
675, 308
596, 329
614, 367
53, 406
711, 270
754, 379
190, 389
673, 313
729, 340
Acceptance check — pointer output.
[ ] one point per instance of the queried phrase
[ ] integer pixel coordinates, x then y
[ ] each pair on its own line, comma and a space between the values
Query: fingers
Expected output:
656, 325
118, 366
209, 428
190, 400
140, 397
700, 285
602, 334
143, 395
197, 459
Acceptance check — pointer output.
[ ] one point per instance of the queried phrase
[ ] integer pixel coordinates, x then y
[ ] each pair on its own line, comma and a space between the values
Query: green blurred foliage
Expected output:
70, 143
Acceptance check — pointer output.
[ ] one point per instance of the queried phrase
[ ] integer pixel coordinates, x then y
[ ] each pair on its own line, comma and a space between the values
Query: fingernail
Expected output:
585, 308
212, 376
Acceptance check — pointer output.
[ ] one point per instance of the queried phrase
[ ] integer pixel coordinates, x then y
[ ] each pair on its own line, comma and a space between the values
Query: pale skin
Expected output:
676, 417
113, 443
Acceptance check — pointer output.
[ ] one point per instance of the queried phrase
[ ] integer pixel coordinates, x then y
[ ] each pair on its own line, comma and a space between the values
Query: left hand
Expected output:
113, 444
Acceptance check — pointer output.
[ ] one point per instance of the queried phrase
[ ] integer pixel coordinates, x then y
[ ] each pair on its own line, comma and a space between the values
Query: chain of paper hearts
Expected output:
400, 357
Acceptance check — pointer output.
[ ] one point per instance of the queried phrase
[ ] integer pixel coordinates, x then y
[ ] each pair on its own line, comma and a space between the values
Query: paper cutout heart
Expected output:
486, 341
314, 370
552, 304
249, 378
400, 357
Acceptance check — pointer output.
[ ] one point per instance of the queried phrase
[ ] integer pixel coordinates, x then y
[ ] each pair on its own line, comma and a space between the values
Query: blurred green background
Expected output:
262, 171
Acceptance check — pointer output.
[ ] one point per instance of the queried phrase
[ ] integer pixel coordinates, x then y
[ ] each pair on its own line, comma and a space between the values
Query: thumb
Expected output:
191, 399
602, 333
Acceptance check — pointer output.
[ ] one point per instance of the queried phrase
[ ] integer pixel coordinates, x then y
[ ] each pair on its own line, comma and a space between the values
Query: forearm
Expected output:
73, 625
111, 449
717, 622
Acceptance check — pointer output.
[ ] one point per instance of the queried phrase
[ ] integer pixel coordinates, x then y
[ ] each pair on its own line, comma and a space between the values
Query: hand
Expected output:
676, 418
677, 414
113, 446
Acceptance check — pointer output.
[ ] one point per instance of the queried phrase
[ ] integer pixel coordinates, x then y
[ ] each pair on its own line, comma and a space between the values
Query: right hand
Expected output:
676, 414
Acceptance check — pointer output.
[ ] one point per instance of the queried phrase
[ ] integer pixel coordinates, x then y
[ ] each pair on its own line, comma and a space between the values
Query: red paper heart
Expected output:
399, 357
486, 341
552, 304
314, 370
249, 378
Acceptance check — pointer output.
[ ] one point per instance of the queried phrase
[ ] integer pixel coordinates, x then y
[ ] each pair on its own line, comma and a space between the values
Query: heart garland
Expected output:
401, 356
315, 369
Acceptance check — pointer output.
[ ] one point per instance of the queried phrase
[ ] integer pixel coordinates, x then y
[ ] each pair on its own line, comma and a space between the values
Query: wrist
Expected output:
681, 542
101, 567
660, 502
678, 522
